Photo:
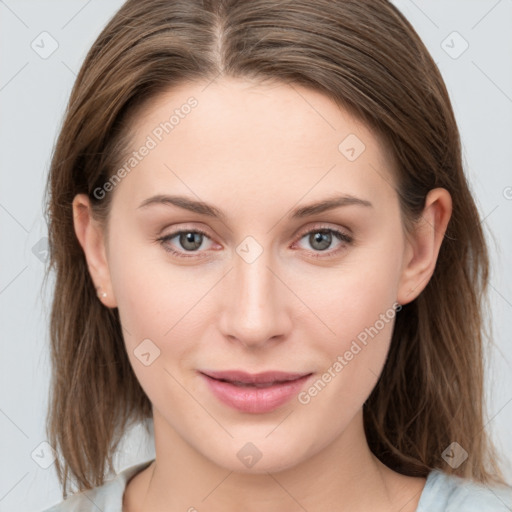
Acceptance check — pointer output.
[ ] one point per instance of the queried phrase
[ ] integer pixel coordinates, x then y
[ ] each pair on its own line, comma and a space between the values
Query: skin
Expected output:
257, 152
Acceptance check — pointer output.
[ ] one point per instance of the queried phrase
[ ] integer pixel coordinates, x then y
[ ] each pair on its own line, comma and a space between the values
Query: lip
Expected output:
254, 378
248, 397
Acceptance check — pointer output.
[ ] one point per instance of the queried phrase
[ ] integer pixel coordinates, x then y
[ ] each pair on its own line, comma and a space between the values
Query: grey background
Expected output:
34, 88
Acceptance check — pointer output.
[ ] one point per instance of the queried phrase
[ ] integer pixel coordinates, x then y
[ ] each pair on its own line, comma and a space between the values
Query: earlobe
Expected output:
423, 245
90, 235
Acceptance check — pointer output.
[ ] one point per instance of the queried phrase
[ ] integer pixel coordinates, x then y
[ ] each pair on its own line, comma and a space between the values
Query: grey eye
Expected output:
320, 240
190, 240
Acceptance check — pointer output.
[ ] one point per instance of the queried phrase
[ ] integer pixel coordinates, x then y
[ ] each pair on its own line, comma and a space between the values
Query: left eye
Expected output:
320, 239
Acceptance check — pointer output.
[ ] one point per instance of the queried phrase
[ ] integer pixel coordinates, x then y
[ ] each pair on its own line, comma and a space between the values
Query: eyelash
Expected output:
340, 235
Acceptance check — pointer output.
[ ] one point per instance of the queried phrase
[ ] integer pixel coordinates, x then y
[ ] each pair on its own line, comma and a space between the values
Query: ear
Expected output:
422, 246
90, 234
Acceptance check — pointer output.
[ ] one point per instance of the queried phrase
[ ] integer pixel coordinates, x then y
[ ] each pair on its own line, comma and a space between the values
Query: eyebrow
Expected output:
207, 209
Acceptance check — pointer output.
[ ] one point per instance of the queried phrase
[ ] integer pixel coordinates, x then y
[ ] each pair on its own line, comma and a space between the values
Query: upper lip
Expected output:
254, 378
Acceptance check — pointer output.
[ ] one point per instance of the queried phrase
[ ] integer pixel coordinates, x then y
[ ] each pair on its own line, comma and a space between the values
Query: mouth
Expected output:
254, 393
263, 379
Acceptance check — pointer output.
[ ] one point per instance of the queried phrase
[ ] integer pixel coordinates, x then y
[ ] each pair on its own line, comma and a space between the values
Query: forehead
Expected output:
246, 136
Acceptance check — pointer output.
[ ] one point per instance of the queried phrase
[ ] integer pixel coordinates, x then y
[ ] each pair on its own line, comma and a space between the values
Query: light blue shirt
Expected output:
442, 493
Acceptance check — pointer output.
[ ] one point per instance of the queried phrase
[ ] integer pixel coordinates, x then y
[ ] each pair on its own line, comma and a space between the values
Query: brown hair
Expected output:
364, 55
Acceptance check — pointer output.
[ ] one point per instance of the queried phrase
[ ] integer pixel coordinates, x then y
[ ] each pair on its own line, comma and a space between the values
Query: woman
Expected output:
264, 242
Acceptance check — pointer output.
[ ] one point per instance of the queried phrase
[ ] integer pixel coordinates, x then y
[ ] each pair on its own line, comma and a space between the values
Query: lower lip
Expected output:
252, 399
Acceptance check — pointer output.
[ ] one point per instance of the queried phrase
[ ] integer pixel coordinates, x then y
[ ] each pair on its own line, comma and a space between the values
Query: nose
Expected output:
255, 307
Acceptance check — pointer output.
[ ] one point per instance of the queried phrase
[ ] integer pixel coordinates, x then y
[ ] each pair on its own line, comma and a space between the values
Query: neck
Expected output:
342, 476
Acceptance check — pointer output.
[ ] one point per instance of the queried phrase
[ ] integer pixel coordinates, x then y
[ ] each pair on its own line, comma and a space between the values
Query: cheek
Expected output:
352, 297
357, 303
159, 305
141, 295
151, 292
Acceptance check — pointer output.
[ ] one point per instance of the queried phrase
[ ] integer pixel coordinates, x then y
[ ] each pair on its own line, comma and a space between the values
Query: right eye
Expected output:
189, 239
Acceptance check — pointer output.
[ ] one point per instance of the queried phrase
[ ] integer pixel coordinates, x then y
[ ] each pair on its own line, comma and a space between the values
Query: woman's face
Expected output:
274, 283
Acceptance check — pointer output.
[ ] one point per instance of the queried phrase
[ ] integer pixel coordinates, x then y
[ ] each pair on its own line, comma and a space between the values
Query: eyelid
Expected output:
325, 227
342, 234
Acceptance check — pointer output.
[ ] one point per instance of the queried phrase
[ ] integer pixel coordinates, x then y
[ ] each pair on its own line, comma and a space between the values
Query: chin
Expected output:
258, 457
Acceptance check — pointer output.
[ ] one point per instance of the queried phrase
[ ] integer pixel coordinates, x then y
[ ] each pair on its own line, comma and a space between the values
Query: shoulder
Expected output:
450, 493
107, 497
